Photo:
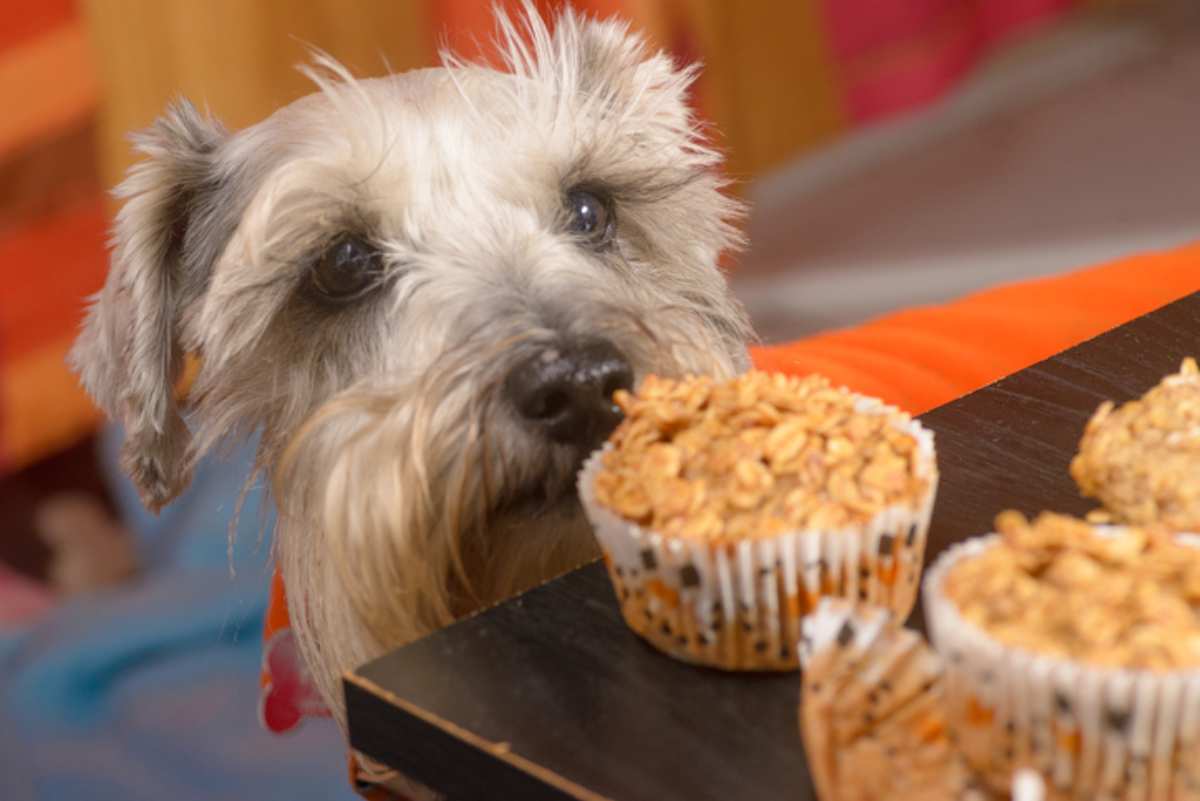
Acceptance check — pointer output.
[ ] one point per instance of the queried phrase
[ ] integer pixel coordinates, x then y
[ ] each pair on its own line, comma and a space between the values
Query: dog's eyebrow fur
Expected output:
630, 188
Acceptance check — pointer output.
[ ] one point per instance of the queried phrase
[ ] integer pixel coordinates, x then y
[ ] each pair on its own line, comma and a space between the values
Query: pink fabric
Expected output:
22, 601
288, 695
893, 55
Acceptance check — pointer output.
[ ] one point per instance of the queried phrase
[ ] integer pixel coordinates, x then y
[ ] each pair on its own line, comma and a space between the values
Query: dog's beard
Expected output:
408, 503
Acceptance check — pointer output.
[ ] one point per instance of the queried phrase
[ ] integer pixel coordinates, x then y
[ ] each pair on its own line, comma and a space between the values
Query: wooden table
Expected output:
550, 696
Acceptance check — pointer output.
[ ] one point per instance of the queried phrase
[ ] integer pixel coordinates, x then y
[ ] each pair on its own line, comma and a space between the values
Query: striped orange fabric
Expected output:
47, 84
50, 267
28, 19
52, 250
65, 253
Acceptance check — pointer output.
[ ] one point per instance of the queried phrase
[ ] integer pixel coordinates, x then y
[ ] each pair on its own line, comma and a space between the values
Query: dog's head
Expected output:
422, 290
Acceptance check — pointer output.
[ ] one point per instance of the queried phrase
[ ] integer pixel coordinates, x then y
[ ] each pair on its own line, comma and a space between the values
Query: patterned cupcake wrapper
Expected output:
1094, 732
872, 716
870, 711
739, 606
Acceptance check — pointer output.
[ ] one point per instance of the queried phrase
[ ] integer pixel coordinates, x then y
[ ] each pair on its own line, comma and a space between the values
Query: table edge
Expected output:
482, 746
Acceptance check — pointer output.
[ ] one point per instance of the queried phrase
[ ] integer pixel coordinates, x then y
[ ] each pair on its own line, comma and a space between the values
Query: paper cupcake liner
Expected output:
739, 606
870, 710
872, 716
1094, 732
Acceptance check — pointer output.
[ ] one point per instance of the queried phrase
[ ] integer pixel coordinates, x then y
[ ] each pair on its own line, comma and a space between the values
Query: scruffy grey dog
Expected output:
422, 290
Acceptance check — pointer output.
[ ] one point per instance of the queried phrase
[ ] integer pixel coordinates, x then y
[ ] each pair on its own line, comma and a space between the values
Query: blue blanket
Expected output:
150, 691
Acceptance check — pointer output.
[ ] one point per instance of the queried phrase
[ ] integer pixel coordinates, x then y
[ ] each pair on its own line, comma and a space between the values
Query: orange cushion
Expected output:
924, 357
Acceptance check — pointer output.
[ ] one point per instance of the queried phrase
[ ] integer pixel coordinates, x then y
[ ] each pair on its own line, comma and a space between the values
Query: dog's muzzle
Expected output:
567, 391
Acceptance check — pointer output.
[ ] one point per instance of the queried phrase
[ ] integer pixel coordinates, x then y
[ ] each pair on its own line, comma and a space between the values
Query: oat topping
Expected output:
1142, 460
1057, 586
755, 456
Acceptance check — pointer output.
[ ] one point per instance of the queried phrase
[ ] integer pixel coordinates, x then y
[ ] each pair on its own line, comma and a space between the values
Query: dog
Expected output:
421, 291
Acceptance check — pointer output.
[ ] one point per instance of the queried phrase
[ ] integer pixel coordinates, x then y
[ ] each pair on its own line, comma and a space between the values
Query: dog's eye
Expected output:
590, 217
347, 269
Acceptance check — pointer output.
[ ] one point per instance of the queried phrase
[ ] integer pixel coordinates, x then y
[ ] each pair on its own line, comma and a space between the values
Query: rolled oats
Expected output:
1142, 459
754, 456
1123, 597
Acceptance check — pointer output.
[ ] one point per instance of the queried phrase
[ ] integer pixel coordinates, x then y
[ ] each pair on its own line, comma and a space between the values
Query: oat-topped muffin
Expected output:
726, 509
756, 456
1142, 460
1073, 649
1125, 597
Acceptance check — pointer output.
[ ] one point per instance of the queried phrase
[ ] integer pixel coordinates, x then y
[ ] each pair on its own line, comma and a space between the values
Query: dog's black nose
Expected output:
568, 391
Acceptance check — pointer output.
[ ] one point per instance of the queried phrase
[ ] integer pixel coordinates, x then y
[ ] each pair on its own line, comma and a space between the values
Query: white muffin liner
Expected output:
870, 709
739, 606
1095, 732
872, 717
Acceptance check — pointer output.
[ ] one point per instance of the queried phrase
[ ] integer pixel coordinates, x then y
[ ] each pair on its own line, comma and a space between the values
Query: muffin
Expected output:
1142, 460
726, 510
872, 716
1074, 650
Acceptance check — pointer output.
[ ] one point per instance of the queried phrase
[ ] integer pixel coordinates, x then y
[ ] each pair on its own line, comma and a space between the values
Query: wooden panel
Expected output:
237, 57
772, 89
552, 690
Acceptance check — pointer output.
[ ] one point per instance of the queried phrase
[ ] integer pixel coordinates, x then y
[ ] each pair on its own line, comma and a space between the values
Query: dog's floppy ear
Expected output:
128, 354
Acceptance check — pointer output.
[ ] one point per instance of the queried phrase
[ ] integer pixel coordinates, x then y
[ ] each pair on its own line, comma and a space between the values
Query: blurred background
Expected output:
896, 152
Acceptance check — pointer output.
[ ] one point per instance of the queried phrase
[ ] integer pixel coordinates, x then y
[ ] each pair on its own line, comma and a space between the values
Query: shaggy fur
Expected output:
409, 491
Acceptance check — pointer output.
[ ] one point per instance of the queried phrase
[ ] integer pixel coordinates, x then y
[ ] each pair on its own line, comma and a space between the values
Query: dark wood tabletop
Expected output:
550, 696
